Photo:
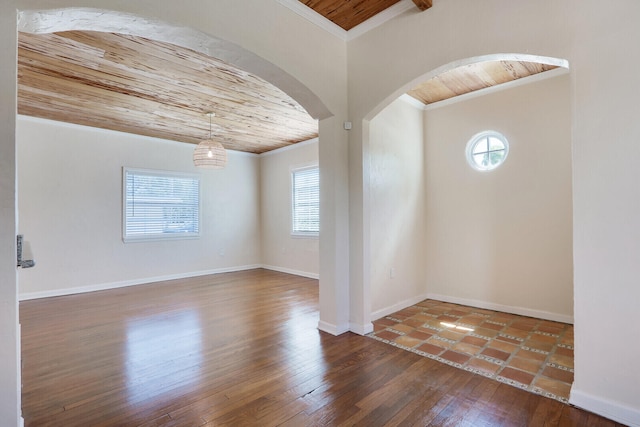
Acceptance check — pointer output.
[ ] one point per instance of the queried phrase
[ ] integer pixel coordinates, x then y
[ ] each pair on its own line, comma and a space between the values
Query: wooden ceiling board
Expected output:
350, 13
423, 4
473, 77
145, 87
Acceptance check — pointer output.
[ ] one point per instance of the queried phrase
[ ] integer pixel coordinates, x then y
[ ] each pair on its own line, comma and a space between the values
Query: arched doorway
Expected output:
384, 271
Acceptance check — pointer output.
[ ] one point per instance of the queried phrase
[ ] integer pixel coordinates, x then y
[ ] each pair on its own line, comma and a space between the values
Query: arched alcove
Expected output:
389, 267
87, 19
563, 64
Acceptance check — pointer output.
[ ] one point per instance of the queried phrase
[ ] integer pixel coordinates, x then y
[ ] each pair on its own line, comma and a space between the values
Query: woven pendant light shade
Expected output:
210, 154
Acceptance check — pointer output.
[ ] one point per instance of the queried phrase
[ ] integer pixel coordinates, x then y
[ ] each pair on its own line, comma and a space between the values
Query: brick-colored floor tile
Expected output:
515, 332
564, 351
448, 319
456, 357
422, 317
387, 335
526, 346
407, 341
431, 349
496, 354
528, 365
504, 346
472, 319
525, 326
543, 346
509, 340
451, 335
463, 347
402, 328
480, 342
377, 327
483, 365
412, 322
420, 335
440, 343
527, 354
561, 360
548, 329
426, 330
556, 387
544, 338
458, 312
517, 375
489, 333
385, 321
558, 374
494, 326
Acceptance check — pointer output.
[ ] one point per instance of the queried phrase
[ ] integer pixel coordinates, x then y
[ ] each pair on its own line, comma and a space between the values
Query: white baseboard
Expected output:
21, 422
522, 311
359, 329
613, 410
291, 271
125, 283
114, 285
378, 314
332, 329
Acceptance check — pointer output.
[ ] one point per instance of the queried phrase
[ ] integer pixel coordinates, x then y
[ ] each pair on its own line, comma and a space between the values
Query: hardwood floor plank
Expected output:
242, 349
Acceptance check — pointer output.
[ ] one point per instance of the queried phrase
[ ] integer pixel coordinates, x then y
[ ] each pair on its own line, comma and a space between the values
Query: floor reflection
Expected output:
163, 353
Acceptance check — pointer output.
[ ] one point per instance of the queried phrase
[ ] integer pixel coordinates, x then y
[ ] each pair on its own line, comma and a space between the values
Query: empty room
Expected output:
295, 213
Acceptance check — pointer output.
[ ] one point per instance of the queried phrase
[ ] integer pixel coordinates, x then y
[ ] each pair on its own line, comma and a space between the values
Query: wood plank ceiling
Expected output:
348, 14
473, 77
141, 86
351, 13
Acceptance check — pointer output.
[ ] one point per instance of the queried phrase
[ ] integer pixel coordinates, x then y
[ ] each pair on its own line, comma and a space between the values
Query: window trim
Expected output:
161, 236
477, 138
294, 233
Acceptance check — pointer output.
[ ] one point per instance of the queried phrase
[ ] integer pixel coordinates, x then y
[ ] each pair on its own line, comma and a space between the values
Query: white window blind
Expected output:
306, 201
160, 205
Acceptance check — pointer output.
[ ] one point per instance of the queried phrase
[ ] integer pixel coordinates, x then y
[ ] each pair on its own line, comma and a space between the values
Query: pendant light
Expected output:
210, 153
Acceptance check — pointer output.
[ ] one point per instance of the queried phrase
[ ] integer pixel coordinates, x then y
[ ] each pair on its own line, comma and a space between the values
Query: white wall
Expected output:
397, 208
280, 250
503, 238
606, 181
9, 332
70, 209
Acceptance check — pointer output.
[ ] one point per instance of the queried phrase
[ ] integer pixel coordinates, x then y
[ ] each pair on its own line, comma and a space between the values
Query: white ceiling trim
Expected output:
371, 23
314, 17
379, 19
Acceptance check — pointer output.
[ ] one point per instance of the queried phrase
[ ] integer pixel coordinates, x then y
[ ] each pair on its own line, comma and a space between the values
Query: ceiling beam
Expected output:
423, 4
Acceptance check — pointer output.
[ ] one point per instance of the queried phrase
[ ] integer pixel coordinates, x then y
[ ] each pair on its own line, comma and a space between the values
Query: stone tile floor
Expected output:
528, 353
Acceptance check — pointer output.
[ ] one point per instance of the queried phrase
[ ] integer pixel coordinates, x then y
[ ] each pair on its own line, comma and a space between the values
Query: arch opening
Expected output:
417, 183
98, 20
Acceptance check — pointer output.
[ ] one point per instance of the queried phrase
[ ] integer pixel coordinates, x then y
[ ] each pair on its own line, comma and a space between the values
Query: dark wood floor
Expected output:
242, 349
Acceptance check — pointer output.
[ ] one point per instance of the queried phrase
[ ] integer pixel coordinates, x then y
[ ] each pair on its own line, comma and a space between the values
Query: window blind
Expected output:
160, 205
306, 201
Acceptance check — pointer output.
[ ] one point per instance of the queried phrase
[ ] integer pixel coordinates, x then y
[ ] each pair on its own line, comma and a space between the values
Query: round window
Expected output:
487, 150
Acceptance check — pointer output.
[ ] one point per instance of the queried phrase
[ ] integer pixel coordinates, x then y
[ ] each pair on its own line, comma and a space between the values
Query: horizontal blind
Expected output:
160, 204
306, 201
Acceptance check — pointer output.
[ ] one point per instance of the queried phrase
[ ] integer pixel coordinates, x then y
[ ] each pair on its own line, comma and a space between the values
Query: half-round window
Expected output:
487, 150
